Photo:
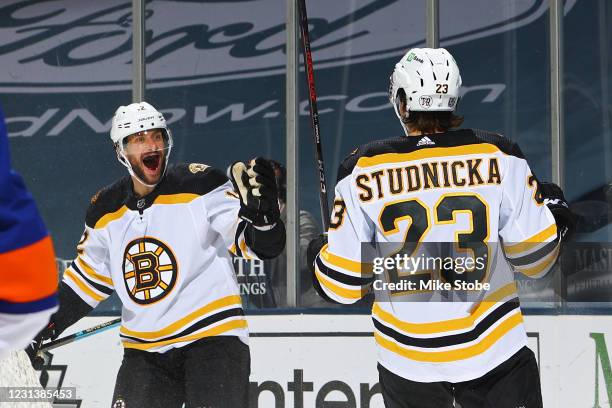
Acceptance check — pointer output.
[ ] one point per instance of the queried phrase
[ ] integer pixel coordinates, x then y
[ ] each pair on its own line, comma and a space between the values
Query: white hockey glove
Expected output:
255, 183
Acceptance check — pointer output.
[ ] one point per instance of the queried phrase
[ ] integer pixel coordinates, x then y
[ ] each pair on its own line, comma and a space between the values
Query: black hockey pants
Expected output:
513, 384
209, 373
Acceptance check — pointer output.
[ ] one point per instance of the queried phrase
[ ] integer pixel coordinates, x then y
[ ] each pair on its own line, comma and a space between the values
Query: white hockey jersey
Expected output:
462, 187
166, 255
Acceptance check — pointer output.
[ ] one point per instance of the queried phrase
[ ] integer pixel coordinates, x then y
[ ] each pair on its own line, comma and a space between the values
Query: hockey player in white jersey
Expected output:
438, 185
161, 239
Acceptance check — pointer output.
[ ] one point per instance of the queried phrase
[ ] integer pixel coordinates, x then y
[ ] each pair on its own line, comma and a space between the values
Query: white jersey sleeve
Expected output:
222, 206
345, 276
527, 227
89, 274
19, 329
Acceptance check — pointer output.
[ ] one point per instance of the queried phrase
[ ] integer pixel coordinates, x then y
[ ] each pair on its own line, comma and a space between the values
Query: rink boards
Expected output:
312, 360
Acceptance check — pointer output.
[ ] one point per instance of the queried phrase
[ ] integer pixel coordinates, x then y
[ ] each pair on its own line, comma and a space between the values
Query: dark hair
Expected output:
429, 122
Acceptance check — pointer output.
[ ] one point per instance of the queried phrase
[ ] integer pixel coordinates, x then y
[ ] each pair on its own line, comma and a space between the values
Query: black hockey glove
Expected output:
552, 195
37, 357
255, 183
314, 247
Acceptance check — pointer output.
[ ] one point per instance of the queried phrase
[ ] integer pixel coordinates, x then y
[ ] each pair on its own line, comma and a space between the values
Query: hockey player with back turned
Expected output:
161, 238
438, 185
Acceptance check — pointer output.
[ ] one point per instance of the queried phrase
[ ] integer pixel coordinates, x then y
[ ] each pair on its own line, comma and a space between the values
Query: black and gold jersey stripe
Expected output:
458, 339
535, 256
492, 300
461, 141
450, 340
532, 243
213, 318
344, 277
99, 287
82, 287
512, 321
217, 330
201, 324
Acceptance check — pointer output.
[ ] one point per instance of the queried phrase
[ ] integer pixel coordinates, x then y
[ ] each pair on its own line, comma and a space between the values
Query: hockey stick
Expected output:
314, 113
42, 356
79, 335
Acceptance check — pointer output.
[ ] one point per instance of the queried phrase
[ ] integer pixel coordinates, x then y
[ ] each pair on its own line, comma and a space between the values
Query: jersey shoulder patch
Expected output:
197, 167
108, 200
194, 178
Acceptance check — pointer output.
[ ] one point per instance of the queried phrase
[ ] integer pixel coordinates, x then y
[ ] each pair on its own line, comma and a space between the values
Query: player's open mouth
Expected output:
152, 160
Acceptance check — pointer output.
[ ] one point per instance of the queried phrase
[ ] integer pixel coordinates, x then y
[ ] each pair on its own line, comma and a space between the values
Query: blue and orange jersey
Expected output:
28, 274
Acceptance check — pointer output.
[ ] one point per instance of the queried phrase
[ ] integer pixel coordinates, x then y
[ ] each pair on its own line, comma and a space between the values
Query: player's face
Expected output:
146, 152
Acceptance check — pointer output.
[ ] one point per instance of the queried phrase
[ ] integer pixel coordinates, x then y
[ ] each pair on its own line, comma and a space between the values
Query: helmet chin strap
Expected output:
123, 160
406, 132
399, 116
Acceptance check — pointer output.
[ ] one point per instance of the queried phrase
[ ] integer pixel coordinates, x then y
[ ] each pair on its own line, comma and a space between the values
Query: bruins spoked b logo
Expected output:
149, 270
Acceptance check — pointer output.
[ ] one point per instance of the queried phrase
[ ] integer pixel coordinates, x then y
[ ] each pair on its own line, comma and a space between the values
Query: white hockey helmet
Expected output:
135, 118
429, 78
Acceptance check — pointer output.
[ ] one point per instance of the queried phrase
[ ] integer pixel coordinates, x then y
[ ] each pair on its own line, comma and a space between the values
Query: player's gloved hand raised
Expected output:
37, 358
255, 183
314, 247
552, 195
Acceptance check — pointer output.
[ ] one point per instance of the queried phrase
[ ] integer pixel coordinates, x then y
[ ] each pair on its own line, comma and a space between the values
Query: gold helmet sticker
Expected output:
149, 270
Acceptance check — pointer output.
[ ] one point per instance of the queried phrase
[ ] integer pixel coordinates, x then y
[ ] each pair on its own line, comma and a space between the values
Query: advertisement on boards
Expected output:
323, 361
